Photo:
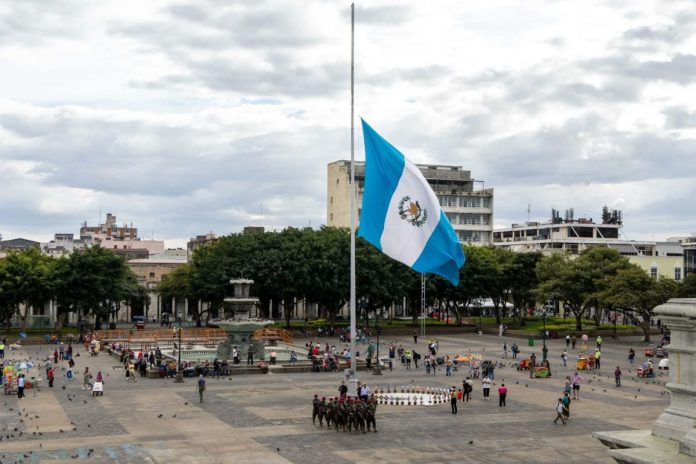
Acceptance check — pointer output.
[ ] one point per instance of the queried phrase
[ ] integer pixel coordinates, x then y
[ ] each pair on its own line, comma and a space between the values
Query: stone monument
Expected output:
240, 327
673, 436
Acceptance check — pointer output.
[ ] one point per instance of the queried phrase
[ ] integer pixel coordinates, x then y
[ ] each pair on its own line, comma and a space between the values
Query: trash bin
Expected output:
530, 342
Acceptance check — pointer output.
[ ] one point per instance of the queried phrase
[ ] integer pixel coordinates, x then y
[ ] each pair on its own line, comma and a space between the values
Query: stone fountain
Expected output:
240, 327
672, 439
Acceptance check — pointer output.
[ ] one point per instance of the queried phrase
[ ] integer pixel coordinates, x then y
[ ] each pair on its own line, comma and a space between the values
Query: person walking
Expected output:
597, 356
201, 387
566, 405
573, 341
87, 379
515, 349
415, 337
617, 376
564, 358
486, 382
502, 395
631, 356
20, 386
559, 412
567, 341
51, 376
576, 386
453, 400
505, 350
468, 386
599, 342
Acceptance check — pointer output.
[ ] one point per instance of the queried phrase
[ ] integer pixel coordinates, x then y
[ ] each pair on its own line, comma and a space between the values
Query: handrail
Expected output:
274, 335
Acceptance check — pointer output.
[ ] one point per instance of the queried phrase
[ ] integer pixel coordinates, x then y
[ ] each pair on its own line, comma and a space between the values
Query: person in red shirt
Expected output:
502, 392
51, 377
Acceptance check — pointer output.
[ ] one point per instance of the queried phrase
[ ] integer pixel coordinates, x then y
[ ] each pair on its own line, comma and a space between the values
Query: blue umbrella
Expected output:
23, 334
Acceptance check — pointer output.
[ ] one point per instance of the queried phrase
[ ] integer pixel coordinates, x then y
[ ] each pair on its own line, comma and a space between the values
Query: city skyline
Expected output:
189, 117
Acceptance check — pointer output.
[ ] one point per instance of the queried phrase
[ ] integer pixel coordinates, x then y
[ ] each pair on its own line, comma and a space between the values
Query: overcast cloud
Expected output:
189, 116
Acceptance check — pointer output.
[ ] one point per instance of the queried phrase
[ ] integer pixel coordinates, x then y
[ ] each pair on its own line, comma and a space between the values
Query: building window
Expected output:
331, 201
331, 216
152, 275
677, 273
653, 272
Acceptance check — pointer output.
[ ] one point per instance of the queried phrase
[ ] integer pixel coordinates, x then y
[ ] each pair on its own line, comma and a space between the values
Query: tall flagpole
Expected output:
353, 333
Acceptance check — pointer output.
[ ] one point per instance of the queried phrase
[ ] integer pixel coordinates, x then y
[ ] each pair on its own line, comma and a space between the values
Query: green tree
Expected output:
28, 280
94, 282
687, 288
632, 291
523, 282
578, 281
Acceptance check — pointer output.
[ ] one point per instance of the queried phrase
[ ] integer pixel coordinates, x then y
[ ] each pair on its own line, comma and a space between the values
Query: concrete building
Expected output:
123, 240
18, 244
689, 247
63, 244
658, 259
198, 241
465, 201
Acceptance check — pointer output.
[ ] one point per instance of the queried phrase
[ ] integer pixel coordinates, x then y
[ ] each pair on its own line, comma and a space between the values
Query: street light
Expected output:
179, 372
377, 370
544, 350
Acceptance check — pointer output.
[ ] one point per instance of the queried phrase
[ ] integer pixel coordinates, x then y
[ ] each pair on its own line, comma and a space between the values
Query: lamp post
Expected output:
179, 372
377, 370
548, 306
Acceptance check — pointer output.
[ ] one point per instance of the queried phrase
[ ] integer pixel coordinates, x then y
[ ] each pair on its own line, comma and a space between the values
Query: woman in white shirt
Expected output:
487, 382
20, 386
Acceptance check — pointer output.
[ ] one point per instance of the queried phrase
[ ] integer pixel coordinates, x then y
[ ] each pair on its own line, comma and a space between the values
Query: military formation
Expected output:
345, 413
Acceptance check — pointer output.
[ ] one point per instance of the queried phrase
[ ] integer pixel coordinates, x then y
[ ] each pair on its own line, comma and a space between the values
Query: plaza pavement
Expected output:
267, 418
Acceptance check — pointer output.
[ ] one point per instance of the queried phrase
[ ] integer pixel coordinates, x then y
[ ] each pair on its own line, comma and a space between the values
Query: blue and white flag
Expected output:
401, 215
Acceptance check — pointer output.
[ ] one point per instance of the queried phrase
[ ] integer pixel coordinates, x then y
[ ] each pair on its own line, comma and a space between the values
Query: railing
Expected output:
282, 335
150, 339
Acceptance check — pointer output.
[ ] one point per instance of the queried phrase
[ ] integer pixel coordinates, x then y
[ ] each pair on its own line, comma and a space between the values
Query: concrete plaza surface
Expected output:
267, 418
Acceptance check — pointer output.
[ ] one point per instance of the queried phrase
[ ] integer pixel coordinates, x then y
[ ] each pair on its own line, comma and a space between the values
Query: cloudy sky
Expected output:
190, 116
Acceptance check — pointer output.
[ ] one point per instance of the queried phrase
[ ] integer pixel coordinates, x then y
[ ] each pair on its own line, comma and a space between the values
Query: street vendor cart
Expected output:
581, 363
524, 364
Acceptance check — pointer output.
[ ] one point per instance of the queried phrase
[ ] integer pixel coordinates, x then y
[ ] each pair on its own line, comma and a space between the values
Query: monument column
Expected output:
679, 419
672, 437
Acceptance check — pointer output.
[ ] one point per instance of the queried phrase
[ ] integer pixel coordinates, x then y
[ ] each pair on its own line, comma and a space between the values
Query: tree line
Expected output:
91, 282
312, 265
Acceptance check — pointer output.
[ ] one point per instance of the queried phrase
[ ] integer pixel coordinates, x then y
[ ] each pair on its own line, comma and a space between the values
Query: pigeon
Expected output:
63, 387
186, 403
471, 442
60, 430
160, 415
636, 397
174, 415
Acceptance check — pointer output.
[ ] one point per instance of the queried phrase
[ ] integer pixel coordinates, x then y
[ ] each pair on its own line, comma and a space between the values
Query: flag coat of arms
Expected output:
401, 215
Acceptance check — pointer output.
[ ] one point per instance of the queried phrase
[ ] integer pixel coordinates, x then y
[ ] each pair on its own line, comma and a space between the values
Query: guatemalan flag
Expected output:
401, 215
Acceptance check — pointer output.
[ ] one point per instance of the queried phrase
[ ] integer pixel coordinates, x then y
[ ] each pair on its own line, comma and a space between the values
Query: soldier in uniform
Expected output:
315, 408
329, 412
322, 412
359, 416
371, 409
